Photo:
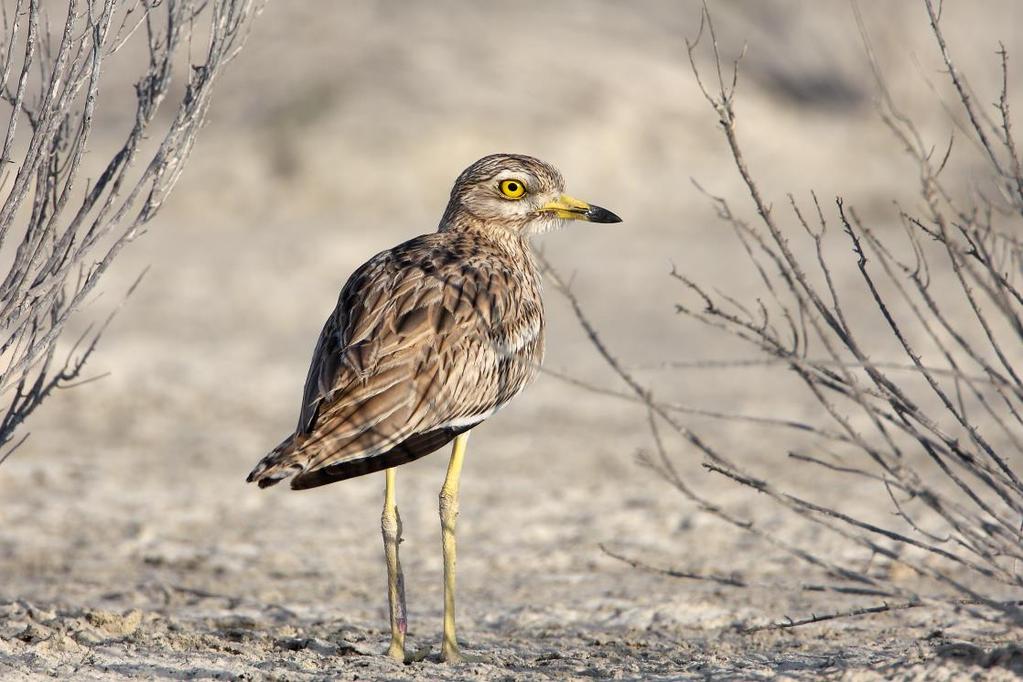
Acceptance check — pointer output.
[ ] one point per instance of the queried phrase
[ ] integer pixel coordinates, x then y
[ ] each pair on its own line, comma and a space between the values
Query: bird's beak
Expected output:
570, 208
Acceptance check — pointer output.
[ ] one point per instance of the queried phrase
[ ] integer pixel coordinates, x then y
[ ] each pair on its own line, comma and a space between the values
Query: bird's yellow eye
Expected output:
513, 189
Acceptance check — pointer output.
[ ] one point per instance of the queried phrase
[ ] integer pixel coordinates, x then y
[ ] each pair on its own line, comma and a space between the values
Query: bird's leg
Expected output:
448, 514
390, 524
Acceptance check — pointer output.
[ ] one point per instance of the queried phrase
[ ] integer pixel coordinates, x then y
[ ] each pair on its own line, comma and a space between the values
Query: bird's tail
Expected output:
281, 462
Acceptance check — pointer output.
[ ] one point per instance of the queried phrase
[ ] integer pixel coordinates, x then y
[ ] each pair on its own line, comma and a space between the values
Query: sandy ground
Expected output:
130, 545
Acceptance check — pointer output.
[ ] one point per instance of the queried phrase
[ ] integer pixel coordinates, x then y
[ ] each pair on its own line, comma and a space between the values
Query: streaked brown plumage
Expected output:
428, 339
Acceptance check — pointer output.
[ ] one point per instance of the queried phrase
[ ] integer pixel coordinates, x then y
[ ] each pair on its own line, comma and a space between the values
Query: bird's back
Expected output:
427, 340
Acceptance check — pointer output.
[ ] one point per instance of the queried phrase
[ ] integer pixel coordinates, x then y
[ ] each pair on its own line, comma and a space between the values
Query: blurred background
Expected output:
336, 134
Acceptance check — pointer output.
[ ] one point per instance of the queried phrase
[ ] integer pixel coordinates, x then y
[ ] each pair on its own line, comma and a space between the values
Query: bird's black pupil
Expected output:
513, 187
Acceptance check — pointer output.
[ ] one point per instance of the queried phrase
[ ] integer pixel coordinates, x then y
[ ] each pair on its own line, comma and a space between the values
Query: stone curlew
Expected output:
428, 339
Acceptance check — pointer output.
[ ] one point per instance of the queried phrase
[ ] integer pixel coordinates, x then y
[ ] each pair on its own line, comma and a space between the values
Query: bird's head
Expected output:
517, 193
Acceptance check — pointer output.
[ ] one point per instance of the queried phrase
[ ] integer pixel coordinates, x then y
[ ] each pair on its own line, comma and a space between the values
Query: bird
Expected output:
429, 339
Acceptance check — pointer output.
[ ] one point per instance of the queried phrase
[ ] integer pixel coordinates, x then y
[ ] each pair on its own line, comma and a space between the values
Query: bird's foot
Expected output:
397, 650
452, 654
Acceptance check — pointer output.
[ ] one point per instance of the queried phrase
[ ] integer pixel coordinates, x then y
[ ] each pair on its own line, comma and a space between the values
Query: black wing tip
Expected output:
265, 480
259, 477
275, 466
266, 476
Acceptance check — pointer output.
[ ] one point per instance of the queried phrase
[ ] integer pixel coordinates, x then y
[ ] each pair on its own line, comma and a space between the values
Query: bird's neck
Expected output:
462, 221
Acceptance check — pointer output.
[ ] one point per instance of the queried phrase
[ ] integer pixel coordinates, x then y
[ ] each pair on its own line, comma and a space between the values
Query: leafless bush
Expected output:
60, 229
937, 425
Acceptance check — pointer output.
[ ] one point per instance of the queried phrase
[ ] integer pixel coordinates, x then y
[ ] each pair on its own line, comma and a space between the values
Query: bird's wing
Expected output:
410, 348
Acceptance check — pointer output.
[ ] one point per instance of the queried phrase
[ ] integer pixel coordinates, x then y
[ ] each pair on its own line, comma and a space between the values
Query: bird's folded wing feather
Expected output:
409, 348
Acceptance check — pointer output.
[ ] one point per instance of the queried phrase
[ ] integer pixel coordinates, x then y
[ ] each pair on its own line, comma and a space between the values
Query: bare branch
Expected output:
72, 235
917, 383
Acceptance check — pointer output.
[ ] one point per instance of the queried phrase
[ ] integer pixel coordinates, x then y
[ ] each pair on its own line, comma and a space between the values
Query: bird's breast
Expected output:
519, 336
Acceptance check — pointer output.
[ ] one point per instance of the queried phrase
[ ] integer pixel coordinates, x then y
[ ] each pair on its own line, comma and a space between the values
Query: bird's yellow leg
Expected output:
448, 514
390, 524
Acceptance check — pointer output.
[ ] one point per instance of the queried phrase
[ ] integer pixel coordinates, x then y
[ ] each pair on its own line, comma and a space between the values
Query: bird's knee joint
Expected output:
448, 502
448, 511
390, 524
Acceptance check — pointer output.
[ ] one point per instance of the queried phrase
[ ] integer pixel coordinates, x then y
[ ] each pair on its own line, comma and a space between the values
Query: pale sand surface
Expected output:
130, 545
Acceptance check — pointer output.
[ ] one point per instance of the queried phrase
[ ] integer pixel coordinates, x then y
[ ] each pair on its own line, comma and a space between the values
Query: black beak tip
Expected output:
596, 214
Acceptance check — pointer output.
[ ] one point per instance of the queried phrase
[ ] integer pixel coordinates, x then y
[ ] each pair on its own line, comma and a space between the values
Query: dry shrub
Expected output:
65, 214
921, 395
